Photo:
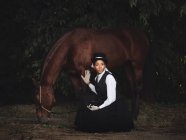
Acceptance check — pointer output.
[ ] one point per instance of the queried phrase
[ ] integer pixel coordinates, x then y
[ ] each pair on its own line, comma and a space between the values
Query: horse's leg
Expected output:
130, 72
79, 87
138, 85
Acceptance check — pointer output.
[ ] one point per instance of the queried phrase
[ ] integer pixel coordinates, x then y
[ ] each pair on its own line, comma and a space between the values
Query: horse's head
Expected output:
44, 101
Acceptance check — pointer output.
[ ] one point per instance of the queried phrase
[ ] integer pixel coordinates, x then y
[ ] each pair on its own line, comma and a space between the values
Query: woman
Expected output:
106, 111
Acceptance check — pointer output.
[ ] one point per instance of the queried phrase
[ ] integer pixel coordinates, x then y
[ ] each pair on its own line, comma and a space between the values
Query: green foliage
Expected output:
183, 10
148, 8
170, 69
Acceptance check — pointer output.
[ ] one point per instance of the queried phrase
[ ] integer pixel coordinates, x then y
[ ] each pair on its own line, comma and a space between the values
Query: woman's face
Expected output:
99, 66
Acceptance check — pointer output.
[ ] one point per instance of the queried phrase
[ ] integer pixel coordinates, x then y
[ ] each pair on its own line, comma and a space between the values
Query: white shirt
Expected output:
111, 89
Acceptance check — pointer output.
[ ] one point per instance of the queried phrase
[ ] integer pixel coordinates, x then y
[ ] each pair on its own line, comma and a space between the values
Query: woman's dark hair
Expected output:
99, 56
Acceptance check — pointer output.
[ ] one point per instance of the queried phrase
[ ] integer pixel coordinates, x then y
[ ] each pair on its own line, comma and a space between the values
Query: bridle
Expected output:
49, 111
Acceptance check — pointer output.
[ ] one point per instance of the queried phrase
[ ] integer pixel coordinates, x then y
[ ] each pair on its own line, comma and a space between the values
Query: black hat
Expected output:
99, 56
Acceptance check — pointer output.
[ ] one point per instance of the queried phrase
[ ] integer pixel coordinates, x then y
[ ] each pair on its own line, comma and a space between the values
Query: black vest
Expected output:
101, 88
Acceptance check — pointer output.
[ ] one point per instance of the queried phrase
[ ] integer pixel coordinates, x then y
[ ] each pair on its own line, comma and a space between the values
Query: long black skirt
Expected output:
115, 117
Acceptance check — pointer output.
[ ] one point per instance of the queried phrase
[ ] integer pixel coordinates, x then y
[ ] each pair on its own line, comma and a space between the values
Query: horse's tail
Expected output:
54, 55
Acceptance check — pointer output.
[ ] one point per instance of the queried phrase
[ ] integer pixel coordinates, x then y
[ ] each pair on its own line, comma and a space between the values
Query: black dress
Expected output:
115, 117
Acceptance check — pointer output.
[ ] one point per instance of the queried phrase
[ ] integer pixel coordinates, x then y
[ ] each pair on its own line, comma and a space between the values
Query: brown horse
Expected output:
72, 53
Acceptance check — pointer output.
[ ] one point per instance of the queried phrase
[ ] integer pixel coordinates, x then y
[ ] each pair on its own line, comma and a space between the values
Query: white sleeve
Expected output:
111, 91
92, 87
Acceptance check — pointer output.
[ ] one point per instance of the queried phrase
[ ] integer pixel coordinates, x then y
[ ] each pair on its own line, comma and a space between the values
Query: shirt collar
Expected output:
100, 75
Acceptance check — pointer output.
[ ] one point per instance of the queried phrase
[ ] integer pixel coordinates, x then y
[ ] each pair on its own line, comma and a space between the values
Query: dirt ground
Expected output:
155, 122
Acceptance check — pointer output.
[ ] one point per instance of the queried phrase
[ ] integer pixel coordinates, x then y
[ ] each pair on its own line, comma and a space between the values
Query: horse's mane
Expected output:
53, 50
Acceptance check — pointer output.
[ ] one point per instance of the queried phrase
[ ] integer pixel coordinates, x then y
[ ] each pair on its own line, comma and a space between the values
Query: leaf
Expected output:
133, 3
183, 10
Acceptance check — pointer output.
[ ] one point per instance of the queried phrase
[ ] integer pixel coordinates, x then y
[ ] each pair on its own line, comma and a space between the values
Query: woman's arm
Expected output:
92, 87
111, 91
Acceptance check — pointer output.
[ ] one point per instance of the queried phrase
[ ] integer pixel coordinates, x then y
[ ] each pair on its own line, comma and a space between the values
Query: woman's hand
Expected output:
86, 79
93, 107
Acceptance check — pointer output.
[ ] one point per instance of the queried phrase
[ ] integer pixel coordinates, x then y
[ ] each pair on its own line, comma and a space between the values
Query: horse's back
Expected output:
119, 45
129, 38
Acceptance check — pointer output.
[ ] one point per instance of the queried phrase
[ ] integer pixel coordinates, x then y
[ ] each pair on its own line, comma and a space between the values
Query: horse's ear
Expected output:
35, 82
92, 65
